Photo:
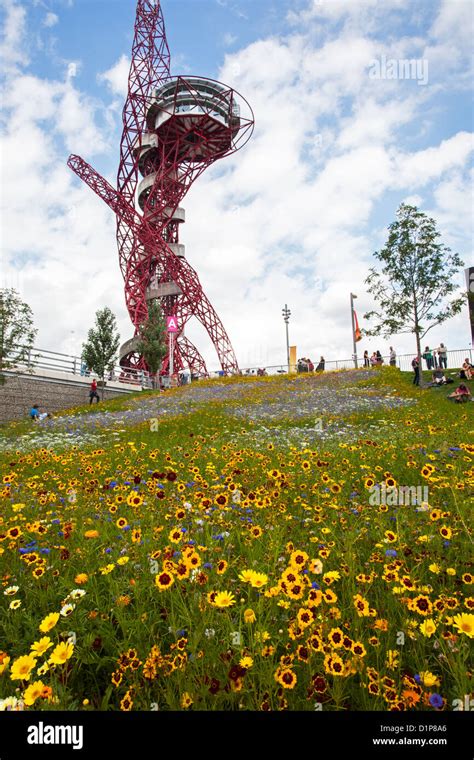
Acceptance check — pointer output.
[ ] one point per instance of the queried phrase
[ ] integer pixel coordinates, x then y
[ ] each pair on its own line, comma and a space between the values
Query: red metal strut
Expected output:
173, 128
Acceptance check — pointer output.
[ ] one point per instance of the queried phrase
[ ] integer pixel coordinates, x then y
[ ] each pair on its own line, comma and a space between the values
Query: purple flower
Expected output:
391, 553
436, 700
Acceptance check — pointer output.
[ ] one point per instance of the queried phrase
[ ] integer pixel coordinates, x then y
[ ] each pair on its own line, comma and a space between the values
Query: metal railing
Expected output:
53, 361
454, 359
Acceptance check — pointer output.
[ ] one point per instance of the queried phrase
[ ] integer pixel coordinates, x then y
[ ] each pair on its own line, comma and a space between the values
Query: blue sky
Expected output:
292, 218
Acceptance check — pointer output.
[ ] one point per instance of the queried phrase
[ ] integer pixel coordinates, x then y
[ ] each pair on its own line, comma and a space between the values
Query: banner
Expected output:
357, 332
292, 358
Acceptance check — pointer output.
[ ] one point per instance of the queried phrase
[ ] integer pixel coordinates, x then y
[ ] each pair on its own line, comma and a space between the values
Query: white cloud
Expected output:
51, 19
229, 39
12, 44
455, 22
116, 77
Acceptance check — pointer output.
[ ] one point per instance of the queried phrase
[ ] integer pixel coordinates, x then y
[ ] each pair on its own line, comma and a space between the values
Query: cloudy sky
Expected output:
296, 215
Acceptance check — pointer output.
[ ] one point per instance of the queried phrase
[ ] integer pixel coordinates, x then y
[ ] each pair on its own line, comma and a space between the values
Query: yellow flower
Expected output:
41, 646
258, 580
49, 622
81, 578
465, 624
123, 560
224, 599
61, 653
22, 667
246, 662
15, 604
428, 679
186, 700
434, 568
107, 569
392, 658
43, 669
249, 616
428, 627
4, 660
33, 692
332, 575
246, 576
91, 534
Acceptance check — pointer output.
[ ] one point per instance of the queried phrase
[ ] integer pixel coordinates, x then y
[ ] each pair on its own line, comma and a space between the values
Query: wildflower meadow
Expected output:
289, 543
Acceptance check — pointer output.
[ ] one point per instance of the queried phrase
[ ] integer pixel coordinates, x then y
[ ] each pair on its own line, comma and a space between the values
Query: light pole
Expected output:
286, 317
354, 356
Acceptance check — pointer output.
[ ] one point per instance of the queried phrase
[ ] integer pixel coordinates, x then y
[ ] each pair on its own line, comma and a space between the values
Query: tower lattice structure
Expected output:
173, 129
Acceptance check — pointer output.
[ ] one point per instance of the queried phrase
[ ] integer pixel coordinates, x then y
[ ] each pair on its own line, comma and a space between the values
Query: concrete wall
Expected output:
20, 392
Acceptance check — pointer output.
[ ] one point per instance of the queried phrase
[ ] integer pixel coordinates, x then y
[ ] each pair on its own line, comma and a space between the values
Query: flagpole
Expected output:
353, 331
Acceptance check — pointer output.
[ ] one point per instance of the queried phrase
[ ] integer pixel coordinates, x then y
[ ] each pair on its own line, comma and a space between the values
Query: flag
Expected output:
357, 332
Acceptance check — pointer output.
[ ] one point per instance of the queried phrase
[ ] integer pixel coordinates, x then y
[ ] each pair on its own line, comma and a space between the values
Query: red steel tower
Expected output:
173, 128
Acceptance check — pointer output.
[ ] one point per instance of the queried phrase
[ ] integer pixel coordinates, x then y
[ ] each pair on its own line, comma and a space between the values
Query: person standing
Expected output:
393, 357
379, 358
93, 392
443, 356
321, 365
428, 357
366, 359
416, 370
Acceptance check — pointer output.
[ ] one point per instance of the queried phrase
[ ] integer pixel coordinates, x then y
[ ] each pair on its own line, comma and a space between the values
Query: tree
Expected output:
152, 338
100, 350
413, 288
17, 333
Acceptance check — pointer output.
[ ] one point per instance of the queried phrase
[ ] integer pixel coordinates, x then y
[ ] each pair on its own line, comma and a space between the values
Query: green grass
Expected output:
280, 501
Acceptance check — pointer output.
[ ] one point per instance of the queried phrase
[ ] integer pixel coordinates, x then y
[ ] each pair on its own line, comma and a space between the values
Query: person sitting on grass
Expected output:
461, 394
36, 415
439, 378
466, 370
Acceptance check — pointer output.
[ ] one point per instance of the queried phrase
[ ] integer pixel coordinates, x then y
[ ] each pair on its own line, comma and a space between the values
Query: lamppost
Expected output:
286, 317
354, 355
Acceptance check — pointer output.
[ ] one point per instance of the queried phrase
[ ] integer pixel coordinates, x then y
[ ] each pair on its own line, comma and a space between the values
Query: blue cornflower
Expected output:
391, 553
436, 700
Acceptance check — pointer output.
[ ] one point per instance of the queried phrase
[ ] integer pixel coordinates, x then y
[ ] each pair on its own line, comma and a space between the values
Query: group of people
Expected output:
376, 360
438, 378
436, 358
306, 365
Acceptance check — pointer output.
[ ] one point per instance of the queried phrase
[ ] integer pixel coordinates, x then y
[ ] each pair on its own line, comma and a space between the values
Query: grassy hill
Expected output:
244, 543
